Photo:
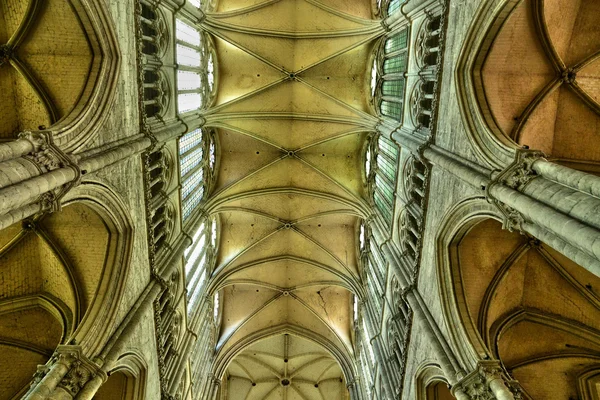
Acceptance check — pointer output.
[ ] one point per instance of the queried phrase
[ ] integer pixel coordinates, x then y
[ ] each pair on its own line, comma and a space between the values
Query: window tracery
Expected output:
196, 72
387, 75
198, 263
154, 31
196, 165
393, 6
428, 42
382, 170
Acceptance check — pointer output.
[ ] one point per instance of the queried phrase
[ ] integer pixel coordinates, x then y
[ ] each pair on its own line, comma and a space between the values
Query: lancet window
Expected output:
382, 172
198, 263
196, 164
195, 73
387, 75
367, 361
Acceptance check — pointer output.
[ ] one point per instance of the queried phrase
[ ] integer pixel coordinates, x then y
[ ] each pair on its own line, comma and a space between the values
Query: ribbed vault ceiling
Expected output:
292, 119
285, 366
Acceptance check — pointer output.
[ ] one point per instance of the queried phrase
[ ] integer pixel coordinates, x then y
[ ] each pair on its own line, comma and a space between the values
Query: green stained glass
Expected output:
386, 167
392, 110
386, 189
397, 42
394, 6
393, 88
383, 207
388, 147
395, 65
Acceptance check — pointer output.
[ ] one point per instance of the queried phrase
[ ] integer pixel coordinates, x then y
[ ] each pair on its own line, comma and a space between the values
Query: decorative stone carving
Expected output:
80, 370
41, 372
488, 382
520, 172
37, 139
76, 378
46, 155
516, 176
513, 219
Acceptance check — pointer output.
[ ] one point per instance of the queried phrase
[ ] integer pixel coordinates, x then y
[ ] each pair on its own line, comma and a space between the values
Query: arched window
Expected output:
367, 361
189, 59
216, 306
196, 165
198, 262
195, 73
387, 75
383, 170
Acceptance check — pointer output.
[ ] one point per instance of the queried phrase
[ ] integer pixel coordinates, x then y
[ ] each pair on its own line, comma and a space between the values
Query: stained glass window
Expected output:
187, 34
392, 110
394, 6
395, 63
386, 174
197, 263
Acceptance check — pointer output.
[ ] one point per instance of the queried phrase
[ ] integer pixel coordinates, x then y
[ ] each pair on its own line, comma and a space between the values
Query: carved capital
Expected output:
81, 369
520, 172
38, 139
513, 219
41, 372
487, 381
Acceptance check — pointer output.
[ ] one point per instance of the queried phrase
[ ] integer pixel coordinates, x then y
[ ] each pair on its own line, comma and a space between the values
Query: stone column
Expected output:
520, 209
89, 390
215, 384
353, 389
28, 142
581, 181
47, 377
487, 382
446, 358
64, 376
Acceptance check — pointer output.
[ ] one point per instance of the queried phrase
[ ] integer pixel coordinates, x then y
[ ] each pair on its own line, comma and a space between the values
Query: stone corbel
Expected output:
487, 382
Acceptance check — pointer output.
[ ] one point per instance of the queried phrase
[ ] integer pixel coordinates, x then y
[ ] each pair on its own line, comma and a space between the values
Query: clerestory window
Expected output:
198, 262
382, 171
196, 165
195, 73
388, 76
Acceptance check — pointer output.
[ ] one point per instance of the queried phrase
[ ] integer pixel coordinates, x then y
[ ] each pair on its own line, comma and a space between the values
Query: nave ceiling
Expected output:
292, 119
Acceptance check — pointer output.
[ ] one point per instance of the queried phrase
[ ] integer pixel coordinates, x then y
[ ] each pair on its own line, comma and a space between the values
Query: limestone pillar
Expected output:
525, 203
28, 142
215, 384
64, 376
354, 389
487, 382
446, 358
46, 173
581, 181
47, 378
89, 390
